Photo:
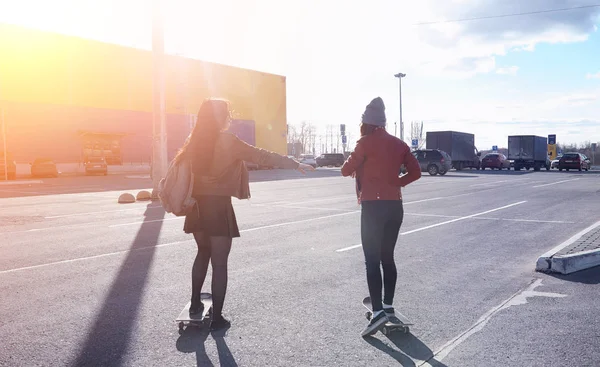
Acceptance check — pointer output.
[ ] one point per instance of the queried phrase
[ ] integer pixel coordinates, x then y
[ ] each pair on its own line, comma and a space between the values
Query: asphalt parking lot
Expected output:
86, 281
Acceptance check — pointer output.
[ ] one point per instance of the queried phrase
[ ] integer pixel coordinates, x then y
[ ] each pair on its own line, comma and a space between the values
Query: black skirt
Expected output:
213, 216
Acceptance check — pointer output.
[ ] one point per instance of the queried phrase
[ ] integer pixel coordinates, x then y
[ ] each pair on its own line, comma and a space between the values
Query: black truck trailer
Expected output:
460, 147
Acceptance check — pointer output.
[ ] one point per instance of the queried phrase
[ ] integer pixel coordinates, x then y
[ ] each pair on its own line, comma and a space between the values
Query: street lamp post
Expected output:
5, 158
159, 133
400, 76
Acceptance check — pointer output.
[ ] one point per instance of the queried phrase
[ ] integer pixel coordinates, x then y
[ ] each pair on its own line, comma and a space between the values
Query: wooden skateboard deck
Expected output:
184, 317
398, 322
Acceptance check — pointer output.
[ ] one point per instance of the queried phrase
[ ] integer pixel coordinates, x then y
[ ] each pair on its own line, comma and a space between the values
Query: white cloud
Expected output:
593, 76
511, 70
570, 100
458, 42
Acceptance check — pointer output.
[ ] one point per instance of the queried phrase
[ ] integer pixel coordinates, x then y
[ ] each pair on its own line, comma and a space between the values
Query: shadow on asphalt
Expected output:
588, 276
108, 340
192, 340
409, 347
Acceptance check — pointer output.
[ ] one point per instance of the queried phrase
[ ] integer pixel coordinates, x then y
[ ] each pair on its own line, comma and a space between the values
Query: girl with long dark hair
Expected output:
219, 174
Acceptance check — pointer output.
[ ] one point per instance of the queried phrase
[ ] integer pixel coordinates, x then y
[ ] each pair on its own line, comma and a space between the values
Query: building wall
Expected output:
53, 85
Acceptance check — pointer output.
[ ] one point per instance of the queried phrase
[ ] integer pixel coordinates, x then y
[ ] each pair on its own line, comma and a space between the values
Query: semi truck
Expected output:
528, 151
460, 147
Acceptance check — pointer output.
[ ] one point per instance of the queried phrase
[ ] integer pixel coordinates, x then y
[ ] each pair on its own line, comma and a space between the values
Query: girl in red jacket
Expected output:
376, 163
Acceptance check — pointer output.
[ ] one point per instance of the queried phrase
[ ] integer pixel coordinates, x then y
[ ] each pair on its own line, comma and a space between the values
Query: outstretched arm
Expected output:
264, 157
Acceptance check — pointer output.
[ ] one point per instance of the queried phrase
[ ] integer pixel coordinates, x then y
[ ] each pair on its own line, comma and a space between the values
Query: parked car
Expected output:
331, 159
308, 159
433, 161
573, 161
554, 163
495, 161
96, 165
44, 167
10, 168
587, 159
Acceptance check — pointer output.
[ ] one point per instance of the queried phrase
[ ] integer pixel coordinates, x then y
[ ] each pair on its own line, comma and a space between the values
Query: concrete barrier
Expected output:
143, 196
571, 256
126, 198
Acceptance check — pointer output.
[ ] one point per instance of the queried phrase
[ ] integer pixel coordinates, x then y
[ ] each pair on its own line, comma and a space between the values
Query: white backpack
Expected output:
175, 190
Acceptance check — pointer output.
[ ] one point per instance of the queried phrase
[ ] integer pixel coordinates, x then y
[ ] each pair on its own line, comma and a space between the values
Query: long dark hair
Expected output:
214, 116
366, 129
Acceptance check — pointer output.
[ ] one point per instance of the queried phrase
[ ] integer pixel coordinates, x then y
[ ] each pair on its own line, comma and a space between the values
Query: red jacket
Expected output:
376, 162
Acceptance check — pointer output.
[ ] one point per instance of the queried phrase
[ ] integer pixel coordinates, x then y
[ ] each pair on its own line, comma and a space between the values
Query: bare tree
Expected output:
416, 132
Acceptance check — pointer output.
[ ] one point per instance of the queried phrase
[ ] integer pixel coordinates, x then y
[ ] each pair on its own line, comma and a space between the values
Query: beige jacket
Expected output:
228, 175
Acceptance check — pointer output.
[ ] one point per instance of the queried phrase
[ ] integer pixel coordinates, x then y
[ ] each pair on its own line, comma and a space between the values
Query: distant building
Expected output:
65, 97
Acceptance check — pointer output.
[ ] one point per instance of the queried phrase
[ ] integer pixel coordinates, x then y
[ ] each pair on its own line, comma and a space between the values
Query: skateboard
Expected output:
184, 317
399, 322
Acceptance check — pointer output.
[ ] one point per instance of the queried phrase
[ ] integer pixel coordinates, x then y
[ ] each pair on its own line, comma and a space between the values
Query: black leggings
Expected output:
216, 250
380, 225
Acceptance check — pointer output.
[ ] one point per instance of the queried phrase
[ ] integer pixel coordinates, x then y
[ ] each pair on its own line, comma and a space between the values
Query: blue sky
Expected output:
492, 77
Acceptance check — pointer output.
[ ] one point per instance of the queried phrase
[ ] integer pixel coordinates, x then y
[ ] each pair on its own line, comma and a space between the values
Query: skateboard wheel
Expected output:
385, 330
406, 330
181, 326
368, 315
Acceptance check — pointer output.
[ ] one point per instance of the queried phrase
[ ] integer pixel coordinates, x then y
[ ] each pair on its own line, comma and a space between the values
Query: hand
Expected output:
303, 168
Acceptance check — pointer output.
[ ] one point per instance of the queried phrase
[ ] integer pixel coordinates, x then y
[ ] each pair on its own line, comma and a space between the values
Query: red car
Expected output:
495, 161
573, 161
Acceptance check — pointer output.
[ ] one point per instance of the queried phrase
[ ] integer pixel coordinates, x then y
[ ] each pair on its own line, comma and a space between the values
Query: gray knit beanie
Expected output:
375, 113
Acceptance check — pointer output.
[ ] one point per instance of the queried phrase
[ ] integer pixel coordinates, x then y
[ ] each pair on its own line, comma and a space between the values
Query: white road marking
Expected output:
489, 183
490, 218
332, 198
166, 244
298, 221
519, 298
349, 248
555, 183
312, 208
57, 193
103, 211
144, 222
478, 218
462, 218
90, 257
526, 220
425, 200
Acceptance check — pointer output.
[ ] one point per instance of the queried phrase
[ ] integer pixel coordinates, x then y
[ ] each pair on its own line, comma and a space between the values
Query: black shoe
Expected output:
196, 310
389, 311
375, 324
219, 323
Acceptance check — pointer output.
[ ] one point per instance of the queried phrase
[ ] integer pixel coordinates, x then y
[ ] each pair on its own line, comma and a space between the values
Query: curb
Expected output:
20, 182
567, 264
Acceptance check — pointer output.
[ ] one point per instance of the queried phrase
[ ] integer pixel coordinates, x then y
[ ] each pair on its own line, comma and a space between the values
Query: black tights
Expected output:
380, 225
216, 250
